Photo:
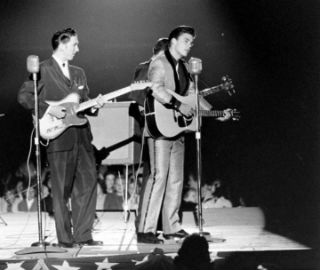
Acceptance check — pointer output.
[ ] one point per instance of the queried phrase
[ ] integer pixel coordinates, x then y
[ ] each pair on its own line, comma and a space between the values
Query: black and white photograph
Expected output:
159, 134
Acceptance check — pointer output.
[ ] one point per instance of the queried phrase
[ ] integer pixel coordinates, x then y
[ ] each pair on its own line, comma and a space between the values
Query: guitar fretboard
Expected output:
211, 113
211, 90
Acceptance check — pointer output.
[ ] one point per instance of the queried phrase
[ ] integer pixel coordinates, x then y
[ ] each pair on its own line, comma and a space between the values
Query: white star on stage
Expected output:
65, 266
15, 266
105, 265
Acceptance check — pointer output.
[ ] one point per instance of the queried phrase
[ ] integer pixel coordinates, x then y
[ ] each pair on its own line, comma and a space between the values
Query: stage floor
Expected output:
21, 230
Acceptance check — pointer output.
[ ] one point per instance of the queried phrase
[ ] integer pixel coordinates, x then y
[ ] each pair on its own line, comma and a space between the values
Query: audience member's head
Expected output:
119, 185
192, 181
191, 196
20, 187
10, 196
193, 254
131, 188
109, 182
44, 191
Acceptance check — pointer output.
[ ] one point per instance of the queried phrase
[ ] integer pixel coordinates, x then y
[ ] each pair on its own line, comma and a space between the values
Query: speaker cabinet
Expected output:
118, 132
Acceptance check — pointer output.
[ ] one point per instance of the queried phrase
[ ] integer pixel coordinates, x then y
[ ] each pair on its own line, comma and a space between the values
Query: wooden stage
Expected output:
242, 230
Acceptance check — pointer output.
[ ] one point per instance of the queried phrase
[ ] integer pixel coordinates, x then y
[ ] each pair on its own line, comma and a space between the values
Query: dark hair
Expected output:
62, 36
161, 44
175, 33
194, 253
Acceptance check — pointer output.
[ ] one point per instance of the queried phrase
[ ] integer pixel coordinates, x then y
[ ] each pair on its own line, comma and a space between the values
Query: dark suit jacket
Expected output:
54, 86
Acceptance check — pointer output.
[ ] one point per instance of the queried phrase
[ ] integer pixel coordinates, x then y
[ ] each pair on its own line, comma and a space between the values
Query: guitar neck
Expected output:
92, 102
211, 90
211, 113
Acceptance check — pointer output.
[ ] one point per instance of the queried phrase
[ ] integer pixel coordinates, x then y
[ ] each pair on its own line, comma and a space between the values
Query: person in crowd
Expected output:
133, 196
12, 201
190, 200
114, 200
3, 204
46, 200
29, 203
193, 254
70, 155
101, 197
109, 178
218, 197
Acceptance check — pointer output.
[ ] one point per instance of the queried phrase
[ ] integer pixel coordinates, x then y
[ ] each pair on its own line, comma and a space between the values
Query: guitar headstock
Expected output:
140, 85
227, 85
235, 115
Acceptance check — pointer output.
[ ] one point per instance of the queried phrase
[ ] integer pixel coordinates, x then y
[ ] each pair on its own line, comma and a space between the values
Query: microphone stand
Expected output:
41, 246
206, 235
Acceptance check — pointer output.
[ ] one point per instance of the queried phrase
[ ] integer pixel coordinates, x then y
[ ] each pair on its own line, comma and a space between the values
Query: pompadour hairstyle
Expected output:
176, 32
62, 36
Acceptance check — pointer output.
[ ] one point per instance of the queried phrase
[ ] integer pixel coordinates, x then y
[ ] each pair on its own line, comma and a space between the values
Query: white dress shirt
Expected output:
64, 66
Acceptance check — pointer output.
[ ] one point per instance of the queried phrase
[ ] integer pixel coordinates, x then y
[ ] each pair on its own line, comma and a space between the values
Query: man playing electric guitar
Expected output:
70, 155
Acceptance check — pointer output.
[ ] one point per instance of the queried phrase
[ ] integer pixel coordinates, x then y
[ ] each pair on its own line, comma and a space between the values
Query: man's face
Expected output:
70, 48
183, 44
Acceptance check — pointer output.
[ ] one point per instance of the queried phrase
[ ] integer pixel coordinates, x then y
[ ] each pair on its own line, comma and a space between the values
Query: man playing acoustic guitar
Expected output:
166, 72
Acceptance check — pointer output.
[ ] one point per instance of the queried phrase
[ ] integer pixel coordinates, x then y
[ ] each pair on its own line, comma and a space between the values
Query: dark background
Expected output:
269, 49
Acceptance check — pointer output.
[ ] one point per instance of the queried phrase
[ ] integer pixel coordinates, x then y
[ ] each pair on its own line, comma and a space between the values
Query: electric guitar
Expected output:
51, 127
226, 85
166, 122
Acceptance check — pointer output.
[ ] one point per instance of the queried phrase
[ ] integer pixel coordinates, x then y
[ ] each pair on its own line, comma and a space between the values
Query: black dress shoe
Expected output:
148, 238
179, 234
66, 245
91, 242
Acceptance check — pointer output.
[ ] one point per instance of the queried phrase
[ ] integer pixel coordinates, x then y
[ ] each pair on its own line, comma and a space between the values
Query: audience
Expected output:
110, 192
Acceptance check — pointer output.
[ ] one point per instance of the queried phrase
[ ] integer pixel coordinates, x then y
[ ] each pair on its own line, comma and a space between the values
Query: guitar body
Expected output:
51, 127
164, 122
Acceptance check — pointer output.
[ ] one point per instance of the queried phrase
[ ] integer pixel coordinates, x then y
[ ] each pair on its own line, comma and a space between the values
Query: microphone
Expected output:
33, 64
195, 66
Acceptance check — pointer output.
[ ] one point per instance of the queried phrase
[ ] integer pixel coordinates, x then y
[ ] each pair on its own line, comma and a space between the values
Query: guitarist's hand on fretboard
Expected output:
100, 101
227, 114
57, 111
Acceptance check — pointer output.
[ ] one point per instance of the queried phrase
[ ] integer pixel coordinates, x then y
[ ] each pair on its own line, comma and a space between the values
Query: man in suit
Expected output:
167, 71
70, 155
